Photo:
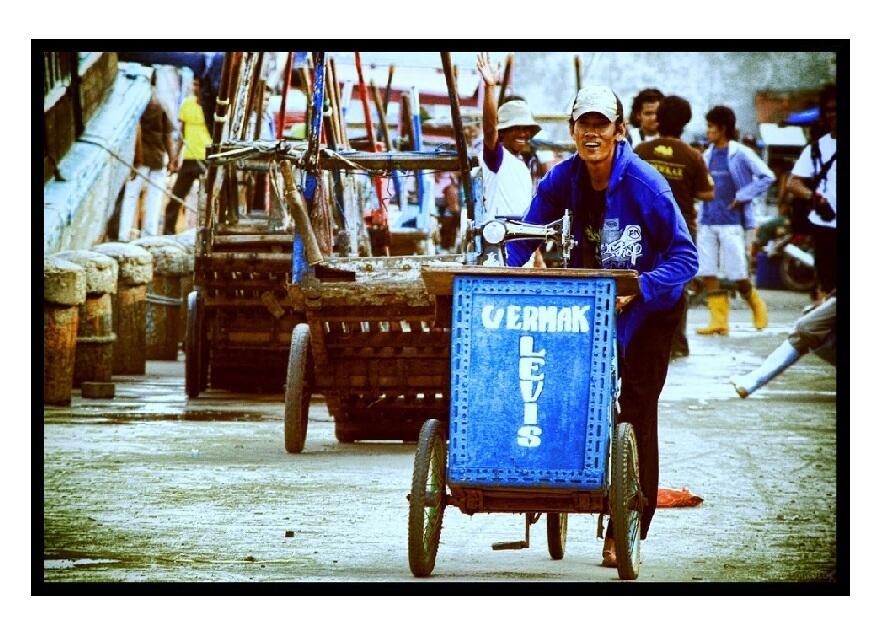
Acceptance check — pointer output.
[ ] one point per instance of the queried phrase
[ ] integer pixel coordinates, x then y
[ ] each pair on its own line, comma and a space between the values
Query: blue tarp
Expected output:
803, 117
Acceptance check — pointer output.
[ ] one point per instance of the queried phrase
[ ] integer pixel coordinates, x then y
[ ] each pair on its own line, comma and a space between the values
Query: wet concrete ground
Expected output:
152, 487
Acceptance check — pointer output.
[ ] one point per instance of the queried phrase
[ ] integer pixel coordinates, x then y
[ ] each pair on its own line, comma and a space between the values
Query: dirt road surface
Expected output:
152, 487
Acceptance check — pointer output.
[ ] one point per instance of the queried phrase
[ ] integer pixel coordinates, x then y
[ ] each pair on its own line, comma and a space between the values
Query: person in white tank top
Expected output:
508, 186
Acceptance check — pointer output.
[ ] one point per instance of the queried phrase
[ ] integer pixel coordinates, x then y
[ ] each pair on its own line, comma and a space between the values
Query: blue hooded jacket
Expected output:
642, 229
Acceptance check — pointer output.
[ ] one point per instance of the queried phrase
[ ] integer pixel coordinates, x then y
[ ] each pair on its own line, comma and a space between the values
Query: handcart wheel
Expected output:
427, 499
625, 501
297, 391
556, 525
195, 353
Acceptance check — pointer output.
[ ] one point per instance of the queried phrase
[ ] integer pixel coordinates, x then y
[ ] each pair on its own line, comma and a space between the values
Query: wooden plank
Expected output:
263, 238
373, 313
439, 279
223, 300
258, 286
383, 339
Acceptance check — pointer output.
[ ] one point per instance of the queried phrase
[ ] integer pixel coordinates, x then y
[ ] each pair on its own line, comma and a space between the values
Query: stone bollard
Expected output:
64, 290
129, 306
95, 337
187, 239
164, 296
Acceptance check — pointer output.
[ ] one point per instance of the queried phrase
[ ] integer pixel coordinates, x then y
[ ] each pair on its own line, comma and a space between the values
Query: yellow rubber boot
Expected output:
760, 314
718, 304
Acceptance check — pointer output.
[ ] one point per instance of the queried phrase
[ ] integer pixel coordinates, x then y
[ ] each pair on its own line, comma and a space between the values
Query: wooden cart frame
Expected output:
250, 266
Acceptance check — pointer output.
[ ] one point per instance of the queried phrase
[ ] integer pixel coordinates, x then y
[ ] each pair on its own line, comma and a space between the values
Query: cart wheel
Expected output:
194, 346
427, 499
556, 525
624, 501
297, 392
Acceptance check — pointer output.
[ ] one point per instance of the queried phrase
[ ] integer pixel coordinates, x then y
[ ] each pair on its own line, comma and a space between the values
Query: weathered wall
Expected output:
547, 80
92, 87
76, 209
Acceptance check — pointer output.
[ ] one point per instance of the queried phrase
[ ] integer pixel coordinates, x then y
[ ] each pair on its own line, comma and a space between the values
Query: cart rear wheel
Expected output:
196, 358
556, 525
625, 501
297, 392
427, 499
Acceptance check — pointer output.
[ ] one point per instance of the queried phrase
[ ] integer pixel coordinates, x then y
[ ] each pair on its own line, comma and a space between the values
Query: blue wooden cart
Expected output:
532, 426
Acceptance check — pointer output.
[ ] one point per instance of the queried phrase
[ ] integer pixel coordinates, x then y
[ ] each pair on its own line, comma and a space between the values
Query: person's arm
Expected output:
799, 188
490, 75
799, 183
704, 184
679, 258
761, 174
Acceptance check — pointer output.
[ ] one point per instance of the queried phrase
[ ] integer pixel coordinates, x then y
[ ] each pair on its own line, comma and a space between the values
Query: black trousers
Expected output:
824, 239
644, 369
680, 342
187, 175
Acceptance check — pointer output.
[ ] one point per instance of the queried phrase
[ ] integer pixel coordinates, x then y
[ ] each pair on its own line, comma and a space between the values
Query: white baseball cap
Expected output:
595, 98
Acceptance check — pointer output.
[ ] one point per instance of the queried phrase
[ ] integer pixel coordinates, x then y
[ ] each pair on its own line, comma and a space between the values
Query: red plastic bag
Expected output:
668, 498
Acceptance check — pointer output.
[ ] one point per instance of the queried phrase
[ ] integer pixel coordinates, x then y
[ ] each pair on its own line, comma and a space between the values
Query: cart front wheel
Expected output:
625, 501
556, 524
297, 392
427, 499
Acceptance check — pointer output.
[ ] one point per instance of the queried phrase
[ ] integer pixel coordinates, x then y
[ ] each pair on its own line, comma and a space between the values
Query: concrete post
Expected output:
130, 306
64, 289
164, 296
95, 336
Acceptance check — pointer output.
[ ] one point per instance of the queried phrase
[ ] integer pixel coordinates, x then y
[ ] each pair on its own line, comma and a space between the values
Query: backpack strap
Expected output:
825, 167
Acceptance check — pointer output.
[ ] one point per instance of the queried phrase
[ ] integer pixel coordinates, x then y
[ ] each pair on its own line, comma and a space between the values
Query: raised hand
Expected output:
489, 71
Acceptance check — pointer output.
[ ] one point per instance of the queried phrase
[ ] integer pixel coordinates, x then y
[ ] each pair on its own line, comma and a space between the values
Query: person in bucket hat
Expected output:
508, 186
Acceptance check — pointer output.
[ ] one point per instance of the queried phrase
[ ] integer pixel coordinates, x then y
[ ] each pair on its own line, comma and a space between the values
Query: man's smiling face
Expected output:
595, 137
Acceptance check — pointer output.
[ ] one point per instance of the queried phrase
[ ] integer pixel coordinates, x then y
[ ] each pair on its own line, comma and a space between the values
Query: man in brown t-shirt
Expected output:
685, 170
153, 140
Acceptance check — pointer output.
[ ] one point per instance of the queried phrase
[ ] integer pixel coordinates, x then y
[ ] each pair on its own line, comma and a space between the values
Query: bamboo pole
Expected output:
461, 149
362, 91
253, 90
330, 82
388, 87
384, 127
379, 216
577, 62
301, 218
280, 134
221, 113
341, 119
258, 118
506, 76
